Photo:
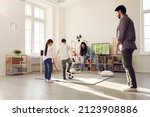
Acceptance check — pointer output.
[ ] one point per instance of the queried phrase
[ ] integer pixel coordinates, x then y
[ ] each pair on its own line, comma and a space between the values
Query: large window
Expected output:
146, 26
34, 29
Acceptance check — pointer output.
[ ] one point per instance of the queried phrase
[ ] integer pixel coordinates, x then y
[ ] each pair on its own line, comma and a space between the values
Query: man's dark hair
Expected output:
121, 8
63, 40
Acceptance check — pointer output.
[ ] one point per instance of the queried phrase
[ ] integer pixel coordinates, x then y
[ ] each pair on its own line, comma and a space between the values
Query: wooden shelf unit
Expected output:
110, 62
118, 67
16, 65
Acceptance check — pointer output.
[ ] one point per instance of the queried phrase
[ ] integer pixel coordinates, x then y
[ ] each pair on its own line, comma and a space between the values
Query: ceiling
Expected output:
66, 2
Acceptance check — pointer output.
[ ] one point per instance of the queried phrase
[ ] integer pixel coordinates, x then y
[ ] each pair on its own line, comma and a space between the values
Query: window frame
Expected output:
33, 20
142, 40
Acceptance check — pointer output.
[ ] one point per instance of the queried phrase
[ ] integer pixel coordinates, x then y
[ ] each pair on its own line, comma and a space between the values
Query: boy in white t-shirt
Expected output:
64, 53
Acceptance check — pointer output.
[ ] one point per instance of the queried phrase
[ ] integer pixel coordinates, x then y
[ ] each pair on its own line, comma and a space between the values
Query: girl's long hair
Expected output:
83, 50
46, 45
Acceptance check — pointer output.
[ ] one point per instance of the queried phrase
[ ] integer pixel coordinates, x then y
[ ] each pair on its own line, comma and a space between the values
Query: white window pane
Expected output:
146, 4
36, 12
41, 46
41, 37
37, 26
147, 19
41, 14
36, 48
28, 48
36, 37
28, 25
147, 45
34, 27
28, 36
147, 32
28, 10
41, 27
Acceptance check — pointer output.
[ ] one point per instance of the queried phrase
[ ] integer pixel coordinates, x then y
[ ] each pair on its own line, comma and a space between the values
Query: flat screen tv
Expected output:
101, 48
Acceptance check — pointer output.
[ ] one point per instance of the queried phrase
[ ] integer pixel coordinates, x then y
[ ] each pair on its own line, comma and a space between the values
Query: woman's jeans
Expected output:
48, 68
93, 59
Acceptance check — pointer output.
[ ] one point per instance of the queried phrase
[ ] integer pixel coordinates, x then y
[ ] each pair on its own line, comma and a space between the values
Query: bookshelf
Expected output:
117, 64
117, 59
107, 61
16, 65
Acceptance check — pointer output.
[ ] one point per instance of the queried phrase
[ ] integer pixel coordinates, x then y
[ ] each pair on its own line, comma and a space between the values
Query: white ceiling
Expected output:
67, 2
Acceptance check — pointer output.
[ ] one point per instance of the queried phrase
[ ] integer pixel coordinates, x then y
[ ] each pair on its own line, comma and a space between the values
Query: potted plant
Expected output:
79, 37
17, 52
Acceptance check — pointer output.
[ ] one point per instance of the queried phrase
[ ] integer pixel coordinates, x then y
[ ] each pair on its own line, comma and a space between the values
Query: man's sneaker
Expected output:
129, 89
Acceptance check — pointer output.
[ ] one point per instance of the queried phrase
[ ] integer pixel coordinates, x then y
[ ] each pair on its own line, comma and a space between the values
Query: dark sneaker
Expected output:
64, 78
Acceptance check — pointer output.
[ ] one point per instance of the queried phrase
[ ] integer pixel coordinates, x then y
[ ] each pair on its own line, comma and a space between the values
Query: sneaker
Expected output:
129, 89
68, 72
45, 80
128, 83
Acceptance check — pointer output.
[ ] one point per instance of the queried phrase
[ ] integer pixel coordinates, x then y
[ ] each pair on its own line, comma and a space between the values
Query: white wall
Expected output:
97, 22
92, 20
14, 11
11, 11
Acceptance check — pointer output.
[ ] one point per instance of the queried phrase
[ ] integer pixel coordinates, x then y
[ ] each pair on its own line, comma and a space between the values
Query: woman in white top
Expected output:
48, 56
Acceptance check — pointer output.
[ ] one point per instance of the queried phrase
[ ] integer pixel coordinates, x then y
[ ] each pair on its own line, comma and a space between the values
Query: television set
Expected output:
101, 48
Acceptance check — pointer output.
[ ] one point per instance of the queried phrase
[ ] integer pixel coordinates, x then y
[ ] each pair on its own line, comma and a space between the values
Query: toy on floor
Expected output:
73, 70
69, 75
106, 73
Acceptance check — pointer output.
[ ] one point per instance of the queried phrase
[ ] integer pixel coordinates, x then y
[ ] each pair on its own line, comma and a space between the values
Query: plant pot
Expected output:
17, 54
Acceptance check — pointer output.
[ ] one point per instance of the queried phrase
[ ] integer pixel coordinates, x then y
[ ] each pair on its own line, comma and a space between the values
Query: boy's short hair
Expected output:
63, 40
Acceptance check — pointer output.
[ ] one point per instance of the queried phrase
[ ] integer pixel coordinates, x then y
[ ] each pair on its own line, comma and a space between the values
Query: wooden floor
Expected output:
33, 87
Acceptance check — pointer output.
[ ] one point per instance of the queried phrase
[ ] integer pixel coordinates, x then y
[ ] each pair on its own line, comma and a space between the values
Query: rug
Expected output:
80, 80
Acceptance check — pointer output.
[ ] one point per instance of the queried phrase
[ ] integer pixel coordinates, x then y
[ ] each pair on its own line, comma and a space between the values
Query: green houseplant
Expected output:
79, 38
17, 52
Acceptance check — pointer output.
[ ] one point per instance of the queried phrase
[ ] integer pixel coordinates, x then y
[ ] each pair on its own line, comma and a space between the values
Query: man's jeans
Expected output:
127, 64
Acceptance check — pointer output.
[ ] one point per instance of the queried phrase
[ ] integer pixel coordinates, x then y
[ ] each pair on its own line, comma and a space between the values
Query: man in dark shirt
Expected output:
126, 38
